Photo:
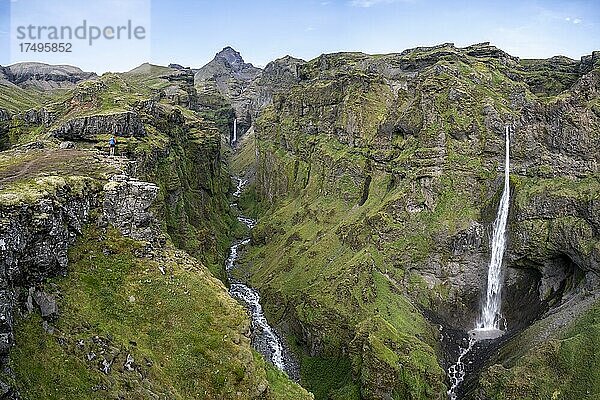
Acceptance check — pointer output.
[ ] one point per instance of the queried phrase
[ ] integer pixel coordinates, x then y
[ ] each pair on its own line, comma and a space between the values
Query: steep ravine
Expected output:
265, 339
375, 181
100, 300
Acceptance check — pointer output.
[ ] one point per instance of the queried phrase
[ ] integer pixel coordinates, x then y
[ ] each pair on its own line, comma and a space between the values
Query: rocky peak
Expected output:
231, 57
228, 63
228, 75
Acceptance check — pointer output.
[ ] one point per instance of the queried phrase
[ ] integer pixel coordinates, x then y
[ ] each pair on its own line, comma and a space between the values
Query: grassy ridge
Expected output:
184, 332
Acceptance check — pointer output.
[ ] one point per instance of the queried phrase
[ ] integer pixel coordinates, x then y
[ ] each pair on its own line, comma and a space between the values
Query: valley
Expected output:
348, 201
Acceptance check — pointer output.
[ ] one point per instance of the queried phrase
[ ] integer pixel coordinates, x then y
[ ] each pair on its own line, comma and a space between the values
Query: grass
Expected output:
319, 253
329, 377
563, 368
185, 333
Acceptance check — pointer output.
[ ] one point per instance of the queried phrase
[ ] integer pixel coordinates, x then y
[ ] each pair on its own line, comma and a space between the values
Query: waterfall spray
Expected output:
490, 316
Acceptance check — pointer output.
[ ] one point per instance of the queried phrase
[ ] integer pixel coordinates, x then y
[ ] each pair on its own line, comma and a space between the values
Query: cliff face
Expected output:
229, 76
98, 298
384, 173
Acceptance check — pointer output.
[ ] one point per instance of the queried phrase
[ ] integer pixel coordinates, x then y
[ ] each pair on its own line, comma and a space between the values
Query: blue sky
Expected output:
191, 32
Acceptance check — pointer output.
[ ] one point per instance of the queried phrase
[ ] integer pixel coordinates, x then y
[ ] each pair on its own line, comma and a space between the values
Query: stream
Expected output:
264, 338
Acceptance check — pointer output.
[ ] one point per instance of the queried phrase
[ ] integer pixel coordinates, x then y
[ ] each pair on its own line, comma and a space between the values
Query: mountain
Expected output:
229, 76
44, 76
381, 175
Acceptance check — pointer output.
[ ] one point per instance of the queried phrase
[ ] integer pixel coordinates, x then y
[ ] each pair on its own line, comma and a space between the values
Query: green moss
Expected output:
328, 377
562, 368
183, 330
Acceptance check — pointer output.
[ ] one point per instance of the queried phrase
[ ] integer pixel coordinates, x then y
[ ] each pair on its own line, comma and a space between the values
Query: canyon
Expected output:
361, 235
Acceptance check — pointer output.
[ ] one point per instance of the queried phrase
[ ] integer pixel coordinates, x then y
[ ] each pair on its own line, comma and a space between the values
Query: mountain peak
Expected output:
232, 56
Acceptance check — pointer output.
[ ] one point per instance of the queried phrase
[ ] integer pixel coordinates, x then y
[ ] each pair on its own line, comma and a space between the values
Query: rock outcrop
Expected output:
124, 124
5, 118
126, 206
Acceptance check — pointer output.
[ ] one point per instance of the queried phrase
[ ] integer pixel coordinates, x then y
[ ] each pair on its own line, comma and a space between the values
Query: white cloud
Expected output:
371, 3
573, 20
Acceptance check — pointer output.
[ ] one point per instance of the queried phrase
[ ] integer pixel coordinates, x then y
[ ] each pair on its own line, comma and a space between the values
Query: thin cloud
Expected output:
371, 3
573, 20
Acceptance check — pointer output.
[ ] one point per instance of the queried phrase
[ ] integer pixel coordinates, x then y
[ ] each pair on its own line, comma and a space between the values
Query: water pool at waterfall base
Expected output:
479, 334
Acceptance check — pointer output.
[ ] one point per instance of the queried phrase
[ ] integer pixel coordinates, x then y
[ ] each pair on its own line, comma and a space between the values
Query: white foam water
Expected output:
241, 185
457, 371
490, 316
264, 339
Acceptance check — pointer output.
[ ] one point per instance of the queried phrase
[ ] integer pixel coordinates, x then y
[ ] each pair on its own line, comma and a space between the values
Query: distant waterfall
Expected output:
490, 313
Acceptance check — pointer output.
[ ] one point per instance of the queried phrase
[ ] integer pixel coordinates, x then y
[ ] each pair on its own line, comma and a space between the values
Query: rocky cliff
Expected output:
384, 174
229, 76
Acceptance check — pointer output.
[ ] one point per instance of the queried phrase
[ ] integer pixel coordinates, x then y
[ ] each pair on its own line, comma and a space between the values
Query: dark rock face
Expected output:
177, 66
34, 239
182, 92
126, 207
86, 128
5, 119
277, 77
44, 76
38, 117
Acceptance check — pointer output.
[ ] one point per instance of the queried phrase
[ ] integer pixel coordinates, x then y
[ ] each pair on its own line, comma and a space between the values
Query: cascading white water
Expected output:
490, 316
488, 323
264, 337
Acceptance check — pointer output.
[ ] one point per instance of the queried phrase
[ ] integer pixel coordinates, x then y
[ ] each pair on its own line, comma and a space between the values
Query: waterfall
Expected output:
490, 313
488, 323
234, 131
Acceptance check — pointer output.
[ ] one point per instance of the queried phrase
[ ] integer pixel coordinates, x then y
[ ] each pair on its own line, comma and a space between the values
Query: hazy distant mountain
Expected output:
44, 76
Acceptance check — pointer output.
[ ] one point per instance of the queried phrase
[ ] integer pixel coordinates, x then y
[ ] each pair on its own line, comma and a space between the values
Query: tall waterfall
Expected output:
234, 139
488, 323
490, 312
